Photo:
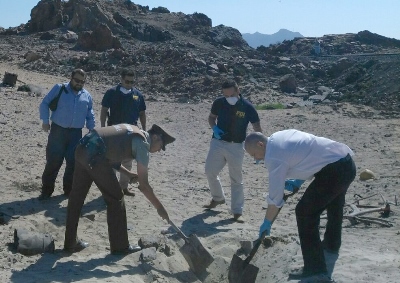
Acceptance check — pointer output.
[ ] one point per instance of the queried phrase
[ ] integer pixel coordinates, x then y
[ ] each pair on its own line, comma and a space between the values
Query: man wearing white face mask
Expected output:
229, 118
125, 105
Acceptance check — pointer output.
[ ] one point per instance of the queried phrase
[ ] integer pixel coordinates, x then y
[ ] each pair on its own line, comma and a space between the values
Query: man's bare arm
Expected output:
148, 192
212, 119
257, 127
142, 118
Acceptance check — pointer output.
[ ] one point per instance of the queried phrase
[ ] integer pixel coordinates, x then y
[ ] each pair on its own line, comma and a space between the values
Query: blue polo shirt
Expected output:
124, 108
234, 119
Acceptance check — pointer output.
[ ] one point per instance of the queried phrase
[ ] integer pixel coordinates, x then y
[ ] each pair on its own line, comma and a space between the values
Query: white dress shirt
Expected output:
292, 154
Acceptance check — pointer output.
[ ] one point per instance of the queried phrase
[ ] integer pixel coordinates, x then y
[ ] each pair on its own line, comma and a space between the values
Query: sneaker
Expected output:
129, 250
80, 245
213, 204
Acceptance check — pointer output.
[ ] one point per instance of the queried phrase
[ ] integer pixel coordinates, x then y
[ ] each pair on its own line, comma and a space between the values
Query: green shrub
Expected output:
270, 106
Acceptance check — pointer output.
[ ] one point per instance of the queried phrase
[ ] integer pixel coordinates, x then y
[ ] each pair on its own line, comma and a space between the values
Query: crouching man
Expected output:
98, 153
303, 156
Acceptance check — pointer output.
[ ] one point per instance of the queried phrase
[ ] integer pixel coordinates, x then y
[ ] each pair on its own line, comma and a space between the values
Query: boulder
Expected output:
31, 56
227, 36
288, 83
46, 15
100, 39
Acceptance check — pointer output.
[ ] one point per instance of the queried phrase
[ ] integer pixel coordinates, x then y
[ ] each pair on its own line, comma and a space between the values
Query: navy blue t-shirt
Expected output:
124, 108
234, 119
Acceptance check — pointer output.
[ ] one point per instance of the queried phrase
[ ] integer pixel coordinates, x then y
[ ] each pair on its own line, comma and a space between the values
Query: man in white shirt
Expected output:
303, 156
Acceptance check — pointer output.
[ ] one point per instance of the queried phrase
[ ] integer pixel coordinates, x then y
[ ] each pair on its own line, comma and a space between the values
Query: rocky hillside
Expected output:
184, 58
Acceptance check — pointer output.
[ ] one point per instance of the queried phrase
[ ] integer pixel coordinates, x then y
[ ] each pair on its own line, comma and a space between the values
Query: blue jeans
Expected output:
326, 191
61, 145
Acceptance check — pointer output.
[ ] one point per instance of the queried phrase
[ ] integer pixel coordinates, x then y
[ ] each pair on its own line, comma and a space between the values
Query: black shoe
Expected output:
131, 249
301, 274
44, 196
80, 245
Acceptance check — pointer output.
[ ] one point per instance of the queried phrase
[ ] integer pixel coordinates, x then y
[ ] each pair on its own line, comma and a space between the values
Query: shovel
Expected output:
241, 271
193, 251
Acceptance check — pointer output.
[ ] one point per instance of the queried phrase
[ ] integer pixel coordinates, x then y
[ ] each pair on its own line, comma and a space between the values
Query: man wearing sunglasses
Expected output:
124, 104
72, 110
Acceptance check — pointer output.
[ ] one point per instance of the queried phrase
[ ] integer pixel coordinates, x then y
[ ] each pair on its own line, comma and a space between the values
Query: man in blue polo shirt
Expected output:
74, 109
124, 104
229, 118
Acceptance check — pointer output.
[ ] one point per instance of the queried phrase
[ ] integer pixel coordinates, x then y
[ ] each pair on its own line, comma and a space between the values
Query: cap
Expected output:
166, 138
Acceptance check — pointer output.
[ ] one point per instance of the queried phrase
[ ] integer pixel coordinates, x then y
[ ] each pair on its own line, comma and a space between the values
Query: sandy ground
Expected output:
370, 253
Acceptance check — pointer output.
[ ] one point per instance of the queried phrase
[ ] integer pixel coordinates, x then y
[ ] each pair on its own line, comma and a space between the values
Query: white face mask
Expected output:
232, 100
124, 90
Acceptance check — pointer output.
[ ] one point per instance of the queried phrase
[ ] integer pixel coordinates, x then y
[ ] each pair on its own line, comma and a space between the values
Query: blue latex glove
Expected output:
292, 184
217, 132
266, 226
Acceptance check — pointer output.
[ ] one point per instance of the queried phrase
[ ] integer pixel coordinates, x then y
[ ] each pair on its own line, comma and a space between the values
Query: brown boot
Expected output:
213, 204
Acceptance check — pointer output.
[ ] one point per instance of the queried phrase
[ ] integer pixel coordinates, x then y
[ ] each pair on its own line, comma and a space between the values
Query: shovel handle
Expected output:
179, 231
254, 249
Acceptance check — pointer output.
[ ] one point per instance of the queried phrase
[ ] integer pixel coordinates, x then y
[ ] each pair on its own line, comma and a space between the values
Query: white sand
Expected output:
370, 253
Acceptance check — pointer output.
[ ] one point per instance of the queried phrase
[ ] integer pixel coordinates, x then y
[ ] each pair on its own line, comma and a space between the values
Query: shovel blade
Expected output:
196, 255
240, 272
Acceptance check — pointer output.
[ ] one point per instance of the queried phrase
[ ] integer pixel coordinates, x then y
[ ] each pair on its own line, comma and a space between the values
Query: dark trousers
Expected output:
327, 191
61, 145
87, 171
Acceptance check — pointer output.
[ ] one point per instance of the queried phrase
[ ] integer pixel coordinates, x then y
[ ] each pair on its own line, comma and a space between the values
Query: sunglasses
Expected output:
78, 81
128, 82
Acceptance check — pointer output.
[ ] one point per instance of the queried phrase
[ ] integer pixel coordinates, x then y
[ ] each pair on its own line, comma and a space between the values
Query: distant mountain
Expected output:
258, 39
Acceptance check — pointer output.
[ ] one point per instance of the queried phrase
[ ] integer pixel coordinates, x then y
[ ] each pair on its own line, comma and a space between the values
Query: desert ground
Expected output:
370, 252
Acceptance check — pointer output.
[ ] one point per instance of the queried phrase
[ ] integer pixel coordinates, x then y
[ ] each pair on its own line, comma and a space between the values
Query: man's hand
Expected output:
293, 185
217, 132
265, 226
45, 127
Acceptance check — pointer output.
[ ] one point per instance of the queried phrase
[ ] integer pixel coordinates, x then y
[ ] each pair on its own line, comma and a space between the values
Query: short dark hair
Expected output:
78, 71
127, 72
229, 84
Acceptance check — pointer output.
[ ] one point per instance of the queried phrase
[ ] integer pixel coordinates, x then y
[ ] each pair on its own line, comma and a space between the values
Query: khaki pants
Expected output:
104, 177
221, 153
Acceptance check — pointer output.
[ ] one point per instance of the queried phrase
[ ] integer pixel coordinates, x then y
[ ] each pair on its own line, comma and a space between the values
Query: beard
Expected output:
77, 88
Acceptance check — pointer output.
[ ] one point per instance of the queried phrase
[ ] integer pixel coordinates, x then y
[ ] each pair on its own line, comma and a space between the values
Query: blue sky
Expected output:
309, 17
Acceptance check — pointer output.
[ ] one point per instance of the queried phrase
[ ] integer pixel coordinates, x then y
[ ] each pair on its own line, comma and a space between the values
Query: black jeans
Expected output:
327, 191
61, 145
